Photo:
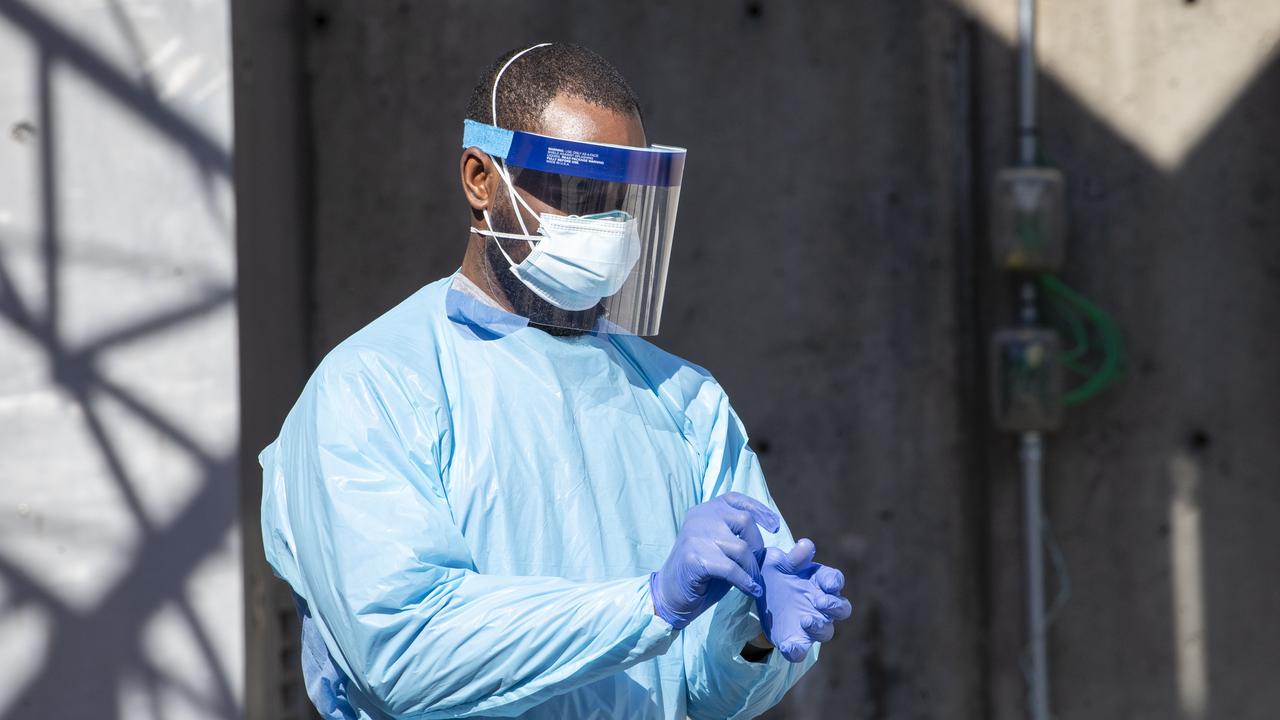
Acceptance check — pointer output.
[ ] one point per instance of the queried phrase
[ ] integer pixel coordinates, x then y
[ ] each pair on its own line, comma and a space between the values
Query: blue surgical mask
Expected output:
580, 260
574, 261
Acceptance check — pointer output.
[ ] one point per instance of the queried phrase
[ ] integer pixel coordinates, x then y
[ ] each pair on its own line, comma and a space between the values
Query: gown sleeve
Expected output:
356, 519
721, 684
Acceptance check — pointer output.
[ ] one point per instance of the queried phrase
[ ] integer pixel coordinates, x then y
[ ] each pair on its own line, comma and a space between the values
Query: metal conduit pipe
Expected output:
1032, 461
1031, 454
1027, 130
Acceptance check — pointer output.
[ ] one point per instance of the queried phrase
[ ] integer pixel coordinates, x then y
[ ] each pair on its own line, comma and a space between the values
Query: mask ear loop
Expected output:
495, 235
499, 236
516, 200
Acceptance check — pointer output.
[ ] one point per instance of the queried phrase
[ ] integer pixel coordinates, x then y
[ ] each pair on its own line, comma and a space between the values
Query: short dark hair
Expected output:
535, 78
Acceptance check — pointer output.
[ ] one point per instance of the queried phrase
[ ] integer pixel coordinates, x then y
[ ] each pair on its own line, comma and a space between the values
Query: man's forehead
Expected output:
574, 118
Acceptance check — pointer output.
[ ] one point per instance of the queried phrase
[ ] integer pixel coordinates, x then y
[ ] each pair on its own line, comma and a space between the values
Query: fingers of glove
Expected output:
725, 569
737, 550
833, 607
798, 557
795, 650
818, 629
760, 512
829, 579
742, 524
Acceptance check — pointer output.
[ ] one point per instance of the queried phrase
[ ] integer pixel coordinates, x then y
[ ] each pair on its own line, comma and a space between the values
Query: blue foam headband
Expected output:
662, 167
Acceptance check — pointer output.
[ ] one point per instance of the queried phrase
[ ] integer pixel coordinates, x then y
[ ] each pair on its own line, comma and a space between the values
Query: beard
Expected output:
540, 313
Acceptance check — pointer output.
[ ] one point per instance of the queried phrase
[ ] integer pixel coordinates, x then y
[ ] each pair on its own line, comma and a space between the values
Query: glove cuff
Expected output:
676, 621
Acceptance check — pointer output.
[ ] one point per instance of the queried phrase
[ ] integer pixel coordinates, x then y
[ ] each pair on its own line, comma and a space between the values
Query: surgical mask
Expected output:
575, 261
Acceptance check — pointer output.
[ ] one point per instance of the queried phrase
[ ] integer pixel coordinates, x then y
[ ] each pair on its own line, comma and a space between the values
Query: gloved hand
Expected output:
719, 545
801, 601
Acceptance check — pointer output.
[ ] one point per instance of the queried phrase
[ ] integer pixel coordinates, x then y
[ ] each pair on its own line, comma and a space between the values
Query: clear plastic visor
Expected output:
636, 308
638, 186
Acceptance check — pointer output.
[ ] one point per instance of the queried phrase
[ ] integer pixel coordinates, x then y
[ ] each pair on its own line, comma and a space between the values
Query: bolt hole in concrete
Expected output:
754, 9
23, 132
1200, 440
320, 20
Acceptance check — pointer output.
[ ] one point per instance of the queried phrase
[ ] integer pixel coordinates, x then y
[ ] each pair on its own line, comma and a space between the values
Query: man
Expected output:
496, 500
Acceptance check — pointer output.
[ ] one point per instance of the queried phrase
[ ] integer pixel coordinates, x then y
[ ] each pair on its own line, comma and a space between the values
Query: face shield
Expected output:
598, 221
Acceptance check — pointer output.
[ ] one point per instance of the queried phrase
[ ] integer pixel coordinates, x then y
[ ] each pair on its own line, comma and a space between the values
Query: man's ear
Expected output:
479, 180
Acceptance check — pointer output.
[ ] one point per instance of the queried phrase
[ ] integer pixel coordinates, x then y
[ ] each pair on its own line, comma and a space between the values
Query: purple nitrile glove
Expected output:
718, 546
801, 601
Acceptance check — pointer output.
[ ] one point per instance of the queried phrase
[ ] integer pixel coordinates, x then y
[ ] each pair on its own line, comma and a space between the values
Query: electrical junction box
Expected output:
1026, 379
1029, 220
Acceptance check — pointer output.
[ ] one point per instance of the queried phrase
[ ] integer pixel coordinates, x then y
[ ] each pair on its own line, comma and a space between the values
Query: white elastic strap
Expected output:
516, 200
501, 164
508, 236
493, 93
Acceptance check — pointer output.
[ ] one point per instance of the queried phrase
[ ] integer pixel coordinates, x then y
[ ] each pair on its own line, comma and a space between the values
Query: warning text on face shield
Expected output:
569, 158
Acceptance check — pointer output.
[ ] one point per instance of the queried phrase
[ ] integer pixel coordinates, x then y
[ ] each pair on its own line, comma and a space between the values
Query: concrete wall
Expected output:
1163, 492
119, 558
830, 268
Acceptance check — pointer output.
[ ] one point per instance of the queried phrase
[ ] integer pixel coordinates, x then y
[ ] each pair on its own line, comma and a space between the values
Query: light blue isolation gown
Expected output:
468, 510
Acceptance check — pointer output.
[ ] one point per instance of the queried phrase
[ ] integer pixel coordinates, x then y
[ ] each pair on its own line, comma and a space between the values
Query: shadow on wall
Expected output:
94, 653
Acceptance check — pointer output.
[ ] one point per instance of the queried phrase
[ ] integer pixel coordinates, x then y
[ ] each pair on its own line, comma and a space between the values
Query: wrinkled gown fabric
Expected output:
468, 510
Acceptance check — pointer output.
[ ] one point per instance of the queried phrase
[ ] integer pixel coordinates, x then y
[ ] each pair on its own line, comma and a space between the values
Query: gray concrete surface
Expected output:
1162, 492
830, 269
120, 567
